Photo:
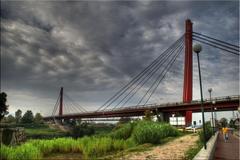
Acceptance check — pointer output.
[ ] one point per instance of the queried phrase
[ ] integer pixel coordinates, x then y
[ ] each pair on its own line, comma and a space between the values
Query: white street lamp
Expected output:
197, 48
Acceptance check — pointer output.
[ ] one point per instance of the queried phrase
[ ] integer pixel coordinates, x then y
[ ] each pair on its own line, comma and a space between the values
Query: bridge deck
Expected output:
222, 103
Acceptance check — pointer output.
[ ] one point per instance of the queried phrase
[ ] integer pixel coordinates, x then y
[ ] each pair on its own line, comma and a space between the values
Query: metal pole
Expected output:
202, 109
210, 91
215, 111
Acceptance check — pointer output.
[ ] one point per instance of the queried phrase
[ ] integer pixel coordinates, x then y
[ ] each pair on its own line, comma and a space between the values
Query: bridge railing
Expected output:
154, 105
206, 100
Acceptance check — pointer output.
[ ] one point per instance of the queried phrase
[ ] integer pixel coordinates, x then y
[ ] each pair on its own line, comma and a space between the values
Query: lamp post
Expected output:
215, 125
215, 114
210, 91
197, 49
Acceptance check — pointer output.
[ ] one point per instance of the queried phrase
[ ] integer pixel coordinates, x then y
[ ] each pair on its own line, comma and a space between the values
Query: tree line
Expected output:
27, 117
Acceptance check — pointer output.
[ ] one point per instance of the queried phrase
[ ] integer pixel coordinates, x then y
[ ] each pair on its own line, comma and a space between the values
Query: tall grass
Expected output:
153, 132
26, 151
126, 136
88, 146
123, 132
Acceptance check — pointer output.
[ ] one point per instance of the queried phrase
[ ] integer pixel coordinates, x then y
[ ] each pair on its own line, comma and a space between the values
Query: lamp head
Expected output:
210, 90
197, 48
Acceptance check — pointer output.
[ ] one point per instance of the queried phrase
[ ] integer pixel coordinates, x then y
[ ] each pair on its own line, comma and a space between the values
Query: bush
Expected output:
124, 131
82, 130
152, 132
208, 129
8, 135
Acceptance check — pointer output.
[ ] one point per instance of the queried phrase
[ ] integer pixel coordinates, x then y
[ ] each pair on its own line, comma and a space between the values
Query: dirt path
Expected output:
172, 150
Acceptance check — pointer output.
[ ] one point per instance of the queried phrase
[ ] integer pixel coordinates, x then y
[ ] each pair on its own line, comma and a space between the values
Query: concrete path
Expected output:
227, 150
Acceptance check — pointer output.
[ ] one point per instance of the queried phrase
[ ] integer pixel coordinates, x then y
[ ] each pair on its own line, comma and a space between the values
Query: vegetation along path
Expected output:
171, 150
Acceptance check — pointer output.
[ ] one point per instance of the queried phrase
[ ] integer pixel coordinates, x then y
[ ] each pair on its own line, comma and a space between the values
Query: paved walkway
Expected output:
227, 150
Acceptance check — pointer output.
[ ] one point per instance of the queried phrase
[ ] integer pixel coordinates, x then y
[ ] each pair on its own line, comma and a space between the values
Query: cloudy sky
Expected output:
93, 48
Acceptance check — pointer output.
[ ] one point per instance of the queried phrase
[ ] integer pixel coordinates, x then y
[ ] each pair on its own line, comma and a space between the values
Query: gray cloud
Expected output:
94, 48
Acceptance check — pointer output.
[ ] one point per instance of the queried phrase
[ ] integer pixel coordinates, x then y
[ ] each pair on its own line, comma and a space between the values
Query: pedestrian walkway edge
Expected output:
209, 152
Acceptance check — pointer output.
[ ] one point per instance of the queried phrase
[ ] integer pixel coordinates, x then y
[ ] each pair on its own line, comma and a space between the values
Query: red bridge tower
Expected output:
187, 85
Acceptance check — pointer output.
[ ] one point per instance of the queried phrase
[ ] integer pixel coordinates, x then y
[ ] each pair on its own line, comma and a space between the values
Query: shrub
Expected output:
208, 130
124, 131
101, 146
82, 130
8, 135
152, 132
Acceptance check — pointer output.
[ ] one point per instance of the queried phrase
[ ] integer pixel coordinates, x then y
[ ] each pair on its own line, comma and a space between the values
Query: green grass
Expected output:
190, 154
90, 147
153, 132
124, 137
123, 131
42, 132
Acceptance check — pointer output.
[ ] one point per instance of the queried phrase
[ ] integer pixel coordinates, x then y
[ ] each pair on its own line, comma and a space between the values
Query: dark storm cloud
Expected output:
93, 48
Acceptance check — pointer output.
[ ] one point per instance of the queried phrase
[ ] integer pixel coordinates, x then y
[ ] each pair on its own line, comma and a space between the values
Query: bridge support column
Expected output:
61, 102
188, 118
187, 85
160, 116
166, 116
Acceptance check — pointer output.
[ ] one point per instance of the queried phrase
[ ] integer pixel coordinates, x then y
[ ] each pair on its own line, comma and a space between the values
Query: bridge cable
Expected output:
147, 76
69, 106
139, 85
216, 43
55, 109
136, 78
169, 63
123, 89
75, 109
79, 107
56, 106
71, 109
164, 75
216, 46
216, 39
175, 54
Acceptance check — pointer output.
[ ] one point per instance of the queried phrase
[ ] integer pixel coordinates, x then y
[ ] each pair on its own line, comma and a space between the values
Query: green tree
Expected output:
18, 116
232, 124
3, 106
223, 122
28, 117
123, 120
38, 118
148, 115
10, 119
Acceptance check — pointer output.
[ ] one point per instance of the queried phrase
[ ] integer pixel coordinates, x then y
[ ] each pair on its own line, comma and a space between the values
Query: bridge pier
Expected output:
187, 85
188, 118
160, 116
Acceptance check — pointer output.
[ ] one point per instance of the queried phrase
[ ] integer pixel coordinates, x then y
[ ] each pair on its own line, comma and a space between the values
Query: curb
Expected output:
209, 152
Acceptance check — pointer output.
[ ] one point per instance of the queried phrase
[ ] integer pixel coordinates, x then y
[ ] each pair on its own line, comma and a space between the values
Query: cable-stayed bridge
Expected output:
150, 78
